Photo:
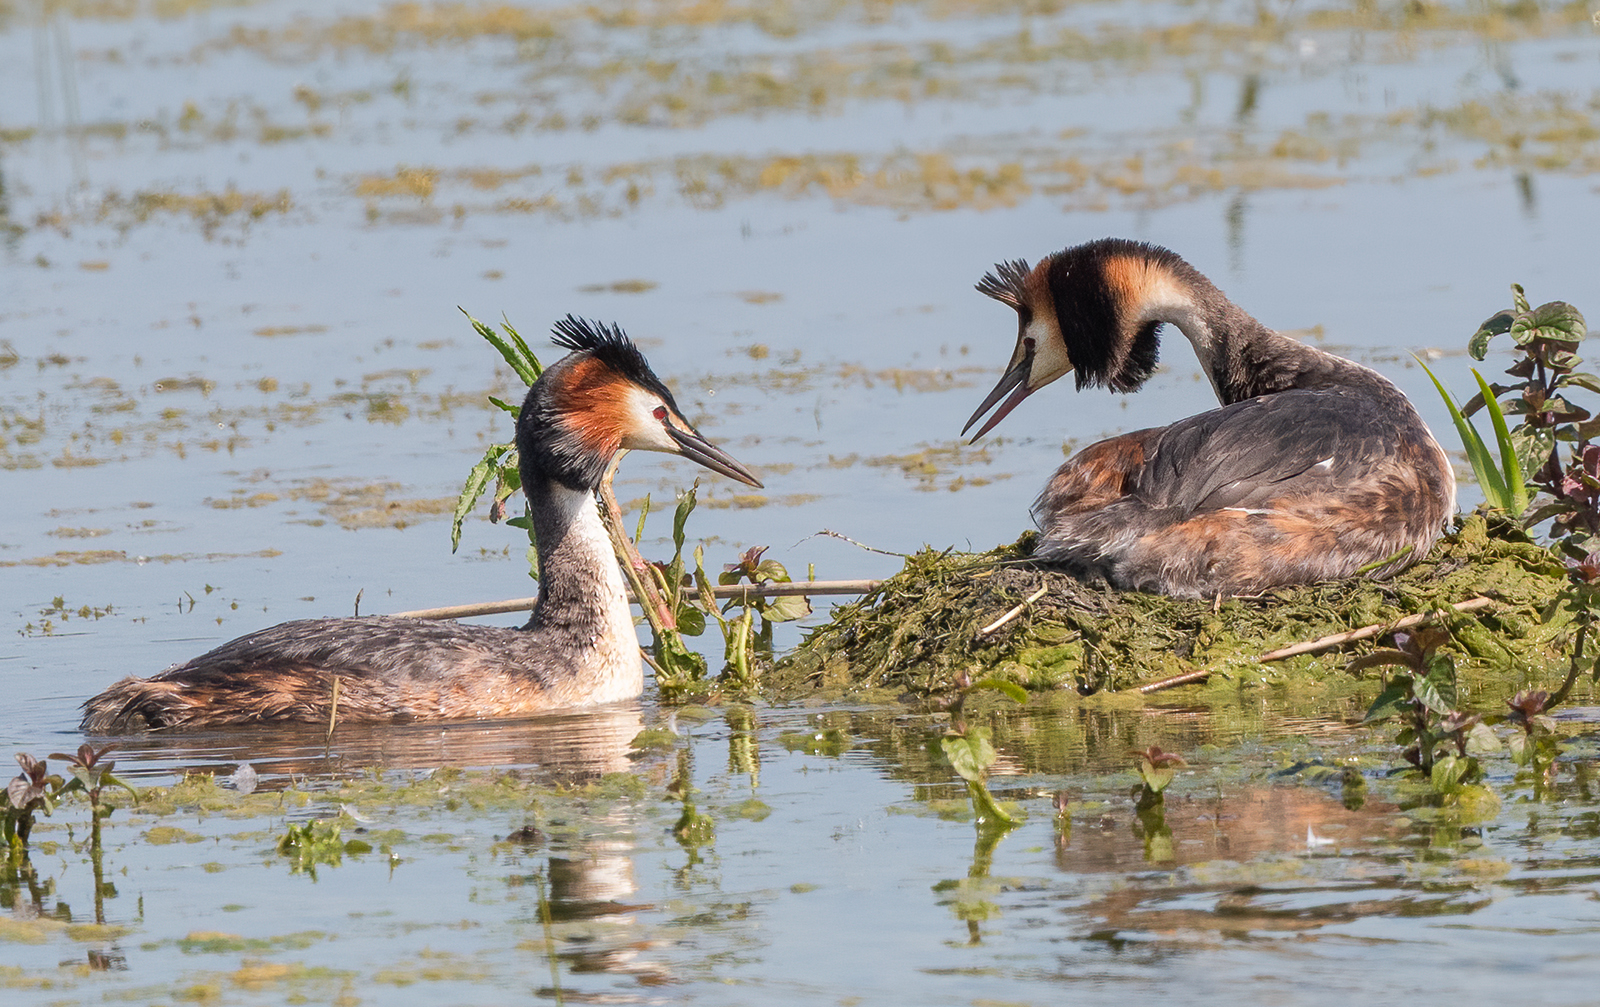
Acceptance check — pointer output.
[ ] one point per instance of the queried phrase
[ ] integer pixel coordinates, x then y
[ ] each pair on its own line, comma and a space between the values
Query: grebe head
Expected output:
1094, 309
600, 398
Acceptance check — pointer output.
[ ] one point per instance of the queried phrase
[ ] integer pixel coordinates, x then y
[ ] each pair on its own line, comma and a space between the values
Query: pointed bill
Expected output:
697, 449
1015, 382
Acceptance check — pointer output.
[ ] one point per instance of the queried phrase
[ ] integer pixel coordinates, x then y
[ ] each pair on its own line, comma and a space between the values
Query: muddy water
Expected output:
235, 389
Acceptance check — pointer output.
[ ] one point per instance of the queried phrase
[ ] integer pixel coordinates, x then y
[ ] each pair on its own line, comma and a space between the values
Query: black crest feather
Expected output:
612, 347
1005, 283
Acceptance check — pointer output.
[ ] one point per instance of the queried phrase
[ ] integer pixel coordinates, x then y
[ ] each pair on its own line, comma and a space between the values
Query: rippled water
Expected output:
843, 866
235, 389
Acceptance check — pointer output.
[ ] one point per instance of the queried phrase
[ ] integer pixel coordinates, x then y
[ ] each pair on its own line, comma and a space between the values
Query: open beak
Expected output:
697, 449
1014, 381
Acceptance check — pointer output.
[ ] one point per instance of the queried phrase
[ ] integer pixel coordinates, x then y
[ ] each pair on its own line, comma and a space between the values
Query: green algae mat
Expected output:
925, 627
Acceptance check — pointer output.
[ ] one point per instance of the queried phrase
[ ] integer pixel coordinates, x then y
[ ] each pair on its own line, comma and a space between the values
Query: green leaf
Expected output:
107, 780
970, 754
1481, 740
644, 512
508, 407
511, 347
1581, 379
1518, 297
681, 664
773, 571
1556, 320
1478, 345
1447, 773
787, 608
1156, 778
1010, 690
1521, 749
1490, 480
686, 504
1510, 465
508, 484
477, 481
1390, 702
1437, 690
691, 621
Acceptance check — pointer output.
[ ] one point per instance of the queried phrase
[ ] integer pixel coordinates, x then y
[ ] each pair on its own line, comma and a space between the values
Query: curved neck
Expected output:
582, 604
1244, 358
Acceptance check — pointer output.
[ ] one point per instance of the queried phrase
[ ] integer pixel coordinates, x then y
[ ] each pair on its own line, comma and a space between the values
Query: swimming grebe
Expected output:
578, 648
1315, 468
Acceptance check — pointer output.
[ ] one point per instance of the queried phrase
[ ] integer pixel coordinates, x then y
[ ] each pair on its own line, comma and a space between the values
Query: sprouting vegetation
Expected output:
36, 791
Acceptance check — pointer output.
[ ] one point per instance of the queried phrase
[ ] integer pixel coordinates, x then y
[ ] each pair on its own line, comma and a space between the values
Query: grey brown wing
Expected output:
1250, 453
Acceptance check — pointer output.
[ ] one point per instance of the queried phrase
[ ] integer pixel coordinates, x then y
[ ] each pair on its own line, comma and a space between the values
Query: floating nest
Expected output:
923, 627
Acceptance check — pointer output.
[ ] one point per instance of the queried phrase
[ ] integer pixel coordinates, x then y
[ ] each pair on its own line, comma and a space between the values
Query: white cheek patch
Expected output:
641, 431
1050, 359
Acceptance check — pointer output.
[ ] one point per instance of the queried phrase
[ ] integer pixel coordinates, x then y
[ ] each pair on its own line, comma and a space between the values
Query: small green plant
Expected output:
36, 790
1534, 743
1156, 771
1565, 491
317, 842
1439, 739
970, 753
32, 791
742, 641
499, 462
1504, 486
91, 772
1545, 371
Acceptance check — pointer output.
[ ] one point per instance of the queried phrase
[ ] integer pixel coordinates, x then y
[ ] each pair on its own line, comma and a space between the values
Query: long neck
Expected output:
582, 609
1244, 358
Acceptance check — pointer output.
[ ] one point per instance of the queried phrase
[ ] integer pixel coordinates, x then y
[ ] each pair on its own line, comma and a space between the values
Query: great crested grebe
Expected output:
578, 648
1315, 468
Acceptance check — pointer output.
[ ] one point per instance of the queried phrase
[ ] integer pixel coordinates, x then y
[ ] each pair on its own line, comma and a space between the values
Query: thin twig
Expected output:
1175, 681
1035, 596
859, 545
1324, 643
802, 588
1376, 629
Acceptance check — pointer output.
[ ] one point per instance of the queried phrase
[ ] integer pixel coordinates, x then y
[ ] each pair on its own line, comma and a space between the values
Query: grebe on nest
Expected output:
578, 648
1315, 468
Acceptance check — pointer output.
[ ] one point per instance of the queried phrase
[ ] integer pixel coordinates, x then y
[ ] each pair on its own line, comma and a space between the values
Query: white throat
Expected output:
587, 557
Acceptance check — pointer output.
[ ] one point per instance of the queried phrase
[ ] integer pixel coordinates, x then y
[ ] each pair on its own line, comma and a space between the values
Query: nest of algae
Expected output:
921, 628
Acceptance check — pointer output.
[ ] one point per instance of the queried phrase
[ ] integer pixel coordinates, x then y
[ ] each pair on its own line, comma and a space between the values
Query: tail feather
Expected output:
200, 697
134, 705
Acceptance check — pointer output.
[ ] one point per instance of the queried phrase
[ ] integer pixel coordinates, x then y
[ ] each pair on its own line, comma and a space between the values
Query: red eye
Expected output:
660, 413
